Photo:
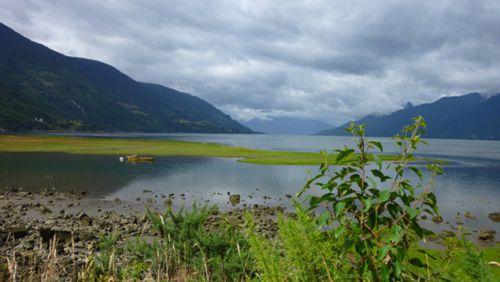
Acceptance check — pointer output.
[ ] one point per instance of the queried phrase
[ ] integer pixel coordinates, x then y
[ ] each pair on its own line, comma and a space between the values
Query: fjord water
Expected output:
471, 182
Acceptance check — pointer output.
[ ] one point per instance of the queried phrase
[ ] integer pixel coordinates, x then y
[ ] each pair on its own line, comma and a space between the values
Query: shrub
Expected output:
364, 223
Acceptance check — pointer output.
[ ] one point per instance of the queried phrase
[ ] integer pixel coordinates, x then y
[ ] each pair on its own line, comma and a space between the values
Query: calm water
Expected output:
471, 182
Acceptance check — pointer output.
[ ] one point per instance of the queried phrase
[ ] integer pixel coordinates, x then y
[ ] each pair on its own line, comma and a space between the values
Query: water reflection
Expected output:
94, 174
469, 184
214, 178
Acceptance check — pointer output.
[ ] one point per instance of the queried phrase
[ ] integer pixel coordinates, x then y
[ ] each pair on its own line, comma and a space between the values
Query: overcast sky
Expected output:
329, 60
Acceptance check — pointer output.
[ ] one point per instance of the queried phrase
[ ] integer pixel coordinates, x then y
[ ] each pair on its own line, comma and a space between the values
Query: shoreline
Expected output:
79, 223
123, 147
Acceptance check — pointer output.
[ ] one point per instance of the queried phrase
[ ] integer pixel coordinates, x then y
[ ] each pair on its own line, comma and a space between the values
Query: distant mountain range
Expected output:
41, 89
287, 125
471, 116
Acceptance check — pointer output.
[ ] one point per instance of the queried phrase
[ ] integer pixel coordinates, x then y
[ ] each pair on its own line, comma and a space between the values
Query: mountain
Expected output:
471, 116
287, 125
41, 89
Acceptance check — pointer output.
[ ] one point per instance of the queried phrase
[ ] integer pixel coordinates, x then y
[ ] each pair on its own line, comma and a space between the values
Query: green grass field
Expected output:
109, 146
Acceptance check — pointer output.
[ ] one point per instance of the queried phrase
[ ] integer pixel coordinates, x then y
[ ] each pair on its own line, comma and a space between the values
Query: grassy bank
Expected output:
110, 146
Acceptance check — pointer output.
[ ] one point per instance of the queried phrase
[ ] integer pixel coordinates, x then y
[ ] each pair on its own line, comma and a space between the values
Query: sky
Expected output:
330, 60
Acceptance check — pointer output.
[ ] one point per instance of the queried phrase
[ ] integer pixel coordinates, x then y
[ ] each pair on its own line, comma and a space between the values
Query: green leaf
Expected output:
378, 161
418, 173
367, 203
342, 154
314, 201
384, 195
323, 218
376, 144
380, 175
413, 212
339, 231
417, 262
385, 273
397, 266
339, 208
348, 243
372, 182
425, 252
396, 234
383, 252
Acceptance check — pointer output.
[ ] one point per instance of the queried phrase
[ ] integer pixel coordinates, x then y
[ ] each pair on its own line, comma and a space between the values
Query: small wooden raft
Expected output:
137, 159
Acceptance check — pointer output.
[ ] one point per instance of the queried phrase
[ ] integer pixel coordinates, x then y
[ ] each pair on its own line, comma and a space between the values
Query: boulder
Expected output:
45, 210
469, 215
84, 218
487, 235
495, 216
48, 234
234, 199
437, 219
17, 231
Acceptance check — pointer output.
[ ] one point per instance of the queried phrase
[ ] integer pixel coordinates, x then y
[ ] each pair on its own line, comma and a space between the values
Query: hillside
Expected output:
287, 125
41, 89
470, 116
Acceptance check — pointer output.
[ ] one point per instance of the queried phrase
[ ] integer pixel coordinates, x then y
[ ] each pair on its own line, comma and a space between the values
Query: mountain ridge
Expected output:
41, 89
286, 125
470, 116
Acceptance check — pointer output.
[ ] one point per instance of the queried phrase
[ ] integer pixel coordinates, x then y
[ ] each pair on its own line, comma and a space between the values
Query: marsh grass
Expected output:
186, 248
111, 146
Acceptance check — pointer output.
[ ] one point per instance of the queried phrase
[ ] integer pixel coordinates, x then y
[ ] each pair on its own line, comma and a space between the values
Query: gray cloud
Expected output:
330, 60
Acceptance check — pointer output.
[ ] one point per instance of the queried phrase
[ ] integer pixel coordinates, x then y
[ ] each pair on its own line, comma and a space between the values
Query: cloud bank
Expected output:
329, 60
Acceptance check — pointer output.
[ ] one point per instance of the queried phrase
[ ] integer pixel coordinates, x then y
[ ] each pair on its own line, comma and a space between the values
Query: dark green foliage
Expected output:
220, 249
462, 261
302, 253
43, 90
471, 116
188, 247
363, 225
375, 211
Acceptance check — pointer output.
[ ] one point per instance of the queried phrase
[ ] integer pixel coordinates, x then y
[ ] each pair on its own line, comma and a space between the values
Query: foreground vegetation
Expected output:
365, 224
187, 246
114, 146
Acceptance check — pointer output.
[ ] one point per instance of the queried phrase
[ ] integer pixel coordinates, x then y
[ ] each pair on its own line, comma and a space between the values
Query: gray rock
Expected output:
469, 215
437, 219
17, 231
487, 235
48, 234
45, 210
84, 218
495, 216
234, 199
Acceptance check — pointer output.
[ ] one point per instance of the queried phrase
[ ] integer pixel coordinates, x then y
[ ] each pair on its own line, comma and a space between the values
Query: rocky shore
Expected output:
61, 230
31, 220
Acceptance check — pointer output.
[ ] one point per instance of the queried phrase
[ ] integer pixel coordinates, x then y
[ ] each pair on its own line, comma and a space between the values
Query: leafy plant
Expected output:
219, 251
374, 210
302, 253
